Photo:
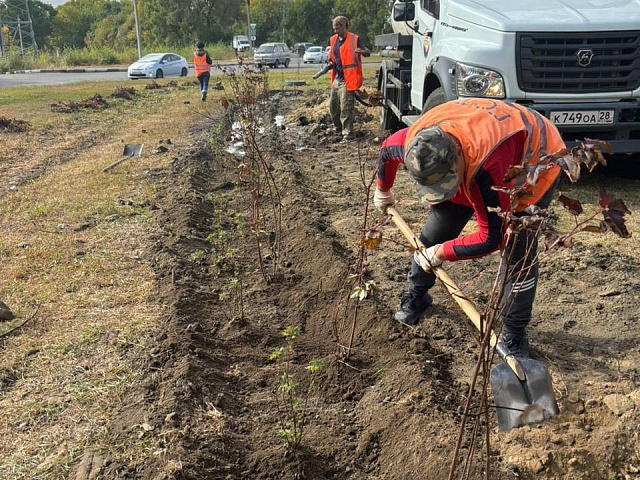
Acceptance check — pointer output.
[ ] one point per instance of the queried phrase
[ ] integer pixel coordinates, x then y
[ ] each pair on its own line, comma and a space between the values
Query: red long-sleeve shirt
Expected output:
490, 234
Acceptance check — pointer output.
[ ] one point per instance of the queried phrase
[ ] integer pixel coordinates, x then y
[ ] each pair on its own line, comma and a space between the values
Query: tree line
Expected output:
111, 23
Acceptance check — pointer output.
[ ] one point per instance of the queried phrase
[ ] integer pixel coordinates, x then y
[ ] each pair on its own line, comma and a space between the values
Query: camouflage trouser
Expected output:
341, 107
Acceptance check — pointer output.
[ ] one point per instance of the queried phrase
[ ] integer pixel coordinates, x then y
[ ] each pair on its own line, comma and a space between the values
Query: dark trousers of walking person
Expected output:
203, 80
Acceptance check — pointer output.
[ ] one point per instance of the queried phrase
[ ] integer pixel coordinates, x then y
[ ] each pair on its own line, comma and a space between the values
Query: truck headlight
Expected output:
478, 82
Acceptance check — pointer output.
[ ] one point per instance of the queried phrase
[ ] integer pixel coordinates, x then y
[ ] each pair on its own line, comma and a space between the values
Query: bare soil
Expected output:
392, 411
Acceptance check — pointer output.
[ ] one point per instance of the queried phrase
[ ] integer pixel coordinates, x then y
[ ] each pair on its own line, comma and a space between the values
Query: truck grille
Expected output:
584, 62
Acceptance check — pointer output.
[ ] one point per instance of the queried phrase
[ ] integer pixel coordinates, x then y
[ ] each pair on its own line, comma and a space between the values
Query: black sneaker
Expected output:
518, 345
411, 308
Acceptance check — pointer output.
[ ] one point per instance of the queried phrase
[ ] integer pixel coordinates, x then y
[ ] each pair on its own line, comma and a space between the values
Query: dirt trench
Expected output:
392, 411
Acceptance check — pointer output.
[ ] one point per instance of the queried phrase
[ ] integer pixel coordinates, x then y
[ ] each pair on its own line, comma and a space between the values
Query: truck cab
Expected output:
575, 61
241, 43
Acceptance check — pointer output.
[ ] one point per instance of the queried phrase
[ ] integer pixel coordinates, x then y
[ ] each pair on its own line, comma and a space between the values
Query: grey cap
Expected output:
431, 160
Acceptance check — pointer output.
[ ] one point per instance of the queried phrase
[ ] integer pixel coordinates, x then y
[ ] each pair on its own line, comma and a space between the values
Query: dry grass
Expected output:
72, 258
63, 373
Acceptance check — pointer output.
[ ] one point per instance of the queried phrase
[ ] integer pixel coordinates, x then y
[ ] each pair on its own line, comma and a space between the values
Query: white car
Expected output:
314, 55
159, 65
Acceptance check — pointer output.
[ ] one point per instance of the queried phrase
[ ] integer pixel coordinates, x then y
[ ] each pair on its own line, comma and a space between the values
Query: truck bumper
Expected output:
623, 133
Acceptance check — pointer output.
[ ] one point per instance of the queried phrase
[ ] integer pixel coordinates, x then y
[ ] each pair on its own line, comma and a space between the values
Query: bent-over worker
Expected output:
456, 153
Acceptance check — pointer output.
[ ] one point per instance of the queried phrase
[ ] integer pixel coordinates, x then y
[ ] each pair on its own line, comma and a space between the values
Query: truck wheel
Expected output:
434, 99
286, 63
388, 119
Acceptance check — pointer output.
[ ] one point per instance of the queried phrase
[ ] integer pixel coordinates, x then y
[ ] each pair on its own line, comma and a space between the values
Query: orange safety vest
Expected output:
200, 64
481, 124
351, 62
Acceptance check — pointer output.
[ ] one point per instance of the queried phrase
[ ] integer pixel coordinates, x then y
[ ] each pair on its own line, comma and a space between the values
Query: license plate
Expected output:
582, 117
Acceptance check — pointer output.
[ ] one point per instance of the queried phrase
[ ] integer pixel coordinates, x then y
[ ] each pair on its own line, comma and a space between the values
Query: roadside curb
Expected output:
107, 69
70, 70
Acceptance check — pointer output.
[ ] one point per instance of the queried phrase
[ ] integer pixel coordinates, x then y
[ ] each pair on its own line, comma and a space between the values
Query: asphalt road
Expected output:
57, 78
39, 78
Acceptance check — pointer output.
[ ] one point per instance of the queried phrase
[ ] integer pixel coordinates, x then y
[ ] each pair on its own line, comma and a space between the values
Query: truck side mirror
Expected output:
404, 12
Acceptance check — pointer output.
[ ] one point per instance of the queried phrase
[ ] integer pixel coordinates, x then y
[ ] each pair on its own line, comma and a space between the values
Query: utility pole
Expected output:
135, 16
16, 31
31, 32
249, 28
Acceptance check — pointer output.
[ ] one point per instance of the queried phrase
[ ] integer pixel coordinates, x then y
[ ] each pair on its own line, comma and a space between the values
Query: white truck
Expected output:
575, 61
241, 43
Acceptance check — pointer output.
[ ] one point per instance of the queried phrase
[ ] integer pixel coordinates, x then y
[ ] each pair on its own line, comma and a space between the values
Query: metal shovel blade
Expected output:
522, 402
132, 150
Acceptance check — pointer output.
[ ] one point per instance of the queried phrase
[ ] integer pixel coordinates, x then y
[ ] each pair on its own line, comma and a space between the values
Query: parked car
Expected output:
314, 55
272, 54
159, 65
327, 49
301, 47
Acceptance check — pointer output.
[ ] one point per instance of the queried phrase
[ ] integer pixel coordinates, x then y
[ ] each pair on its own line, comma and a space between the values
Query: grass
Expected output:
99, 56
89, 291
69, 367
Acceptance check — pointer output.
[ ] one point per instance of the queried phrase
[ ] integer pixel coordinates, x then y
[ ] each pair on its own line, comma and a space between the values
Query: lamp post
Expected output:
249, 28
135, 16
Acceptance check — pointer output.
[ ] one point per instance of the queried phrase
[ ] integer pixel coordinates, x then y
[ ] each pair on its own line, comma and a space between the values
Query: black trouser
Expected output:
445, 222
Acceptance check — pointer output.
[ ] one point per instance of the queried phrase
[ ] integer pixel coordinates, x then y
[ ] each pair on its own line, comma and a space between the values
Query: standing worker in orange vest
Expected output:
345, 54
456, 153
202, 65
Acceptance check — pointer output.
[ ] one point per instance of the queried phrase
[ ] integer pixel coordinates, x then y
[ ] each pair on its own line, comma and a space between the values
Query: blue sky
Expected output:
55, 3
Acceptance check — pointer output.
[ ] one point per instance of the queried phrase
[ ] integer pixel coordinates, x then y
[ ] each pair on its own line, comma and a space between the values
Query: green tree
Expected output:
367, 18
183, 22
42, 16
309, 21
267, 15
115, 31
76, 18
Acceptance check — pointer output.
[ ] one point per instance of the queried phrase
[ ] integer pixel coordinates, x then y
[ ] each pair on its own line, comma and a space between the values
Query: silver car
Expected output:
272, 54
159, 65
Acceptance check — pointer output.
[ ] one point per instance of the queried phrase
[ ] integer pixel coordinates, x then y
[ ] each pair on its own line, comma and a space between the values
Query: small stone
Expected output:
591, 403
535, 465
612, 292
5, 312
573, 397
618, 404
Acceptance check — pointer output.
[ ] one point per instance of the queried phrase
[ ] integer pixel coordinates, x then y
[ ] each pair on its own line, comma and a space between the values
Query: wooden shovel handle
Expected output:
465, 304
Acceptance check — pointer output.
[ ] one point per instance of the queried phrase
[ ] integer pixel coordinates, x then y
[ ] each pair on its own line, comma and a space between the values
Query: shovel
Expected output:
521, 387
